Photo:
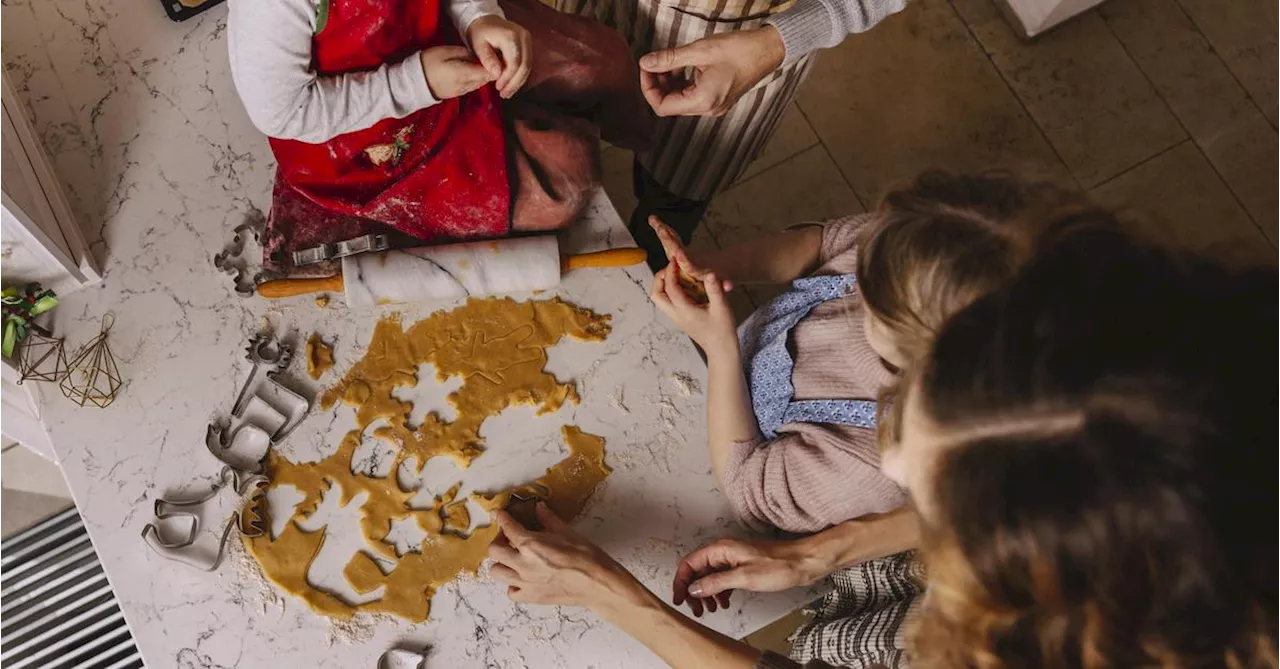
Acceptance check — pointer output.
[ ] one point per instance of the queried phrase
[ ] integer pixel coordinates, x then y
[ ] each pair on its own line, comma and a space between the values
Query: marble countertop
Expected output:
161, 163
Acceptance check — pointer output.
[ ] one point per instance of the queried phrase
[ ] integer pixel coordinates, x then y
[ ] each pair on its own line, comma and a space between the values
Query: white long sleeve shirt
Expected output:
270, 48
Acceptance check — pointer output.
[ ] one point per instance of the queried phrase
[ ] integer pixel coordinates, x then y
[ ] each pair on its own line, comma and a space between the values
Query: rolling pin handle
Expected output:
290, 287
610, 258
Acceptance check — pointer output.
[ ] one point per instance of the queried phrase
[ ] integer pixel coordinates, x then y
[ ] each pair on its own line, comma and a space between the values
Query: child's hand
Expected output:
710, 325
692, 273
452, 71
505, 49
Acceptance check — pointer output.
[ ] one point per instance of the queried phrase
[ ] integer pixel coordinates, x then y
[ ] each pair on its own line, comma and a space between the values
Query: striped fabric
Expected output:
697, 157
57, 610
862, 623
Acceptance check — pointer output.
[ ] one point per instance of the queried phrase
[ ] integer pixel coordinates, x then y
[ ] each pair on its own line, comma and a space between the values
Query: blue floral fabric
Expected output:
769, 363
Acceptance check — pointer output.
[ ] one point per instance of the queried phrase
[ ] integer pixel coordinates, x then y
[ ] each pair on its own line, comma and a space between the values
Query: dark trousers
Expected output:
681, 214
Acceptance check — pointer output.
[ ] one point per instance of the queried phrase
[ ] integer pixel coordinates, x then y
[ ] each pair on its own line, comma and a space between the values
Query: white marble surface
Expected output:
161, 162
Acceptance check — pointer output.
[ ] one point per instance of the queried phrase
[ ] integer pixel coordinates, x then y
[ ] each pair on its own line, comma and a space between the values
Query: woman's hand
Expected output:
724, 67
505, 49
557, 565
691, 270
710, 325
452, 71
706, 577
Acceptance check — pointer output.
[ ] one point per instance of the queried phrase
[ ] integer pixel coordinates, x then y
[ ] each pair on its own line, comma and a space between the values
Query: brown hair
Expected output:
941, 242
1108, 500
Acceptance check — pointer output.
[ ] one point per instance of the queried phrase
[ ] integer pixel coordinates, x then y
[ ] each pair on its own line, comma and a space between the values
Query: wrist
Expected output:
724, 351
772, 50
624, 597
825, 552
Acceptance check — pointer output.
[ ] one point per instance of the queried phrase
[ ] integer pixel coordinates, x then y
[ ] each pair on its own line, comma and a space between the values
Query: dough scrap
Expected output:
319, 357
499, 348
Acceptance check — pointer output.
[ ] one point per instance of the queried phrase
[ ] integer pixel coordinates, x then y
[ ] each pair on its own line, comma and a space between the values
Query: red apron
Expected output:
438, 173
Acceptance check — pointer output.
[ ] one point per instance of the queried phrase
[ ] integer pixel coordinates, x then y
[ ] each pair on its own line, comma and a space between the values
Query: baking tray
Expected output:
180, 12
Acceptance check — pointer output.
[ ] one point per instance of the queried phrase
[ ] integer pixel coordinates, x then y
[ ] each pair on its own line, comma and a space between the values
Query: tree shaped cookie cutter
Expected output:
250, 519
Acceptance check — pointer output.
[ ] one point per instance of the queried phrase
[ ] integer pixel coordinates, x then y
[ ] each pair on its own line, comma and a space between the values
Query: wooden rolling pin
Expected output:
452, 271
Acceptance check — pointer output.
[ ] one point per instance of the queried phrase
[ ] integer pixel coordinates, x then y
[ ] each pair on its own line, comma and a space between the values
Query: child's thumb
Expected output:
489, 59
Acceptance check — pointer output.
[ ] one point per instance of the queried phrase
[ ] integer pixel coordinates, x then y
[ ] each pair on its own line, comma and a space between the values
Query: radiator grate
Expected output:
57, 610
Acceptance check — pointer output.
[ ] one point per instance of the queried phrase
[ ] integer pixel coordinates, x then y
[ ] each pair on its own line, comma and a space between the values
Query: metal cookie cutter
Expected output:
244, 448
521, 505
401, 658
229, 259
251, 520
267, 359
347, 247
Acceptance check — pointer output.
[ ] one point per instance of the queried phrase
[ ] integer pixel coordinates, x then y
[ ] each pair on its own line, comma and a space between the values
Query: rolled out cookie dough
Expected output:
499, 348
319, 357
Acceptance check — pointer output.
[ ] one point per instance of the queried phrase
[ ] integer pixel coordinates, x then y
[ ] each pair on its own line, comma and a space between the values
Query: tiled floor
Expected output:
1163, 108
31, 489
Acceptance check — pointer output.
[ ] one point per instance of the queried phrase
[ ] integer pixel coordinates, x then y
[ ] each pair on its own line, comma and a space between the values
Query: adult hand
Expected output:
556, 565
706, 577
504, 49
723, 67
452, 71
710, 325
692, 270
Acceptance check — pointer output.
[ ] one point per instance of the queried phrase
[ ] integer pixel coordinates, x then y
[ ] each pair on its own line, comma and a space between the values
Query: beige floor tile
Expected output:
1083, 90
1205, 97
793, 136
23, 469
617, 180
20, 509
917, 93
774, 637
1243, 32
808, 187
1176, 198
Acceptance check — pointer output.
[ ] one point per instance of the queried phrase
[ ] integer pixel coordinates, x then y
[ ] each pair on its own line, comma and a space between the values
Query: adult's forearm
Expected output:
730, 418
776, 258
680, 642
859, 540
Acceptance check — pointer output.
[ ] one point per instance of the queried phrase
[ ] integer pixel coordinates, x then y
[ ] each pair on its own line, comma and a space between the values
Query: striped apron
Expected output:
696, 157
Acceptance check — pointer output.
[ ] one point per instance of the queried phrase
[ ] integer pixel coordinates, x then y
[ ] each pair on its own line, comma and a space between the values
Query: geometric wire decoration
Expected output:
93, 377
43, 358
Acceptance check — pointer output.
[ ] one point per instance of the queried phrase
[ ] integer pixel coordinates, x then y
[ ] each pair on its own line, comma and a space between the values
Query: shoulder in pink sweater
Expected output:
814, 475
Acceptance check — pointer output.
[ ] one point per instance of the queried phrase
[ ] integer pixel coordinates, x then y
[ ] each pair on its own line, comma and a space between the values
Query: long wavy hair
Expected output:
942, 241
1107, 496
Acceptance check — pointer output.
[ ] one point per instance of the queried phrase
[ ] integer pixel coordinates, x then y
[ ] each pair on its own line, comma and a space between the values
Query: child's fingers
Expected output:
471, 77
510, 50
659, 292
489, 59
666, 236
715, 289
524, 62
675, 292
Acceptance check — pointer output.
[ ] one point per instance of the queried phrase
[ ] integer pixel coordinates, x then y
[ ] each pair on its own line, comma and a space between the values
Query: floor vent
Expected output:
57, 610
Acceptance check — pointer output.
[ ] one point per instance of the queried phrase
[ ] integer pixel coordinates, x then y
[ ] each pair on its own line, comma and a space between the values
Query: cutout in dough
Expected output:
499, 348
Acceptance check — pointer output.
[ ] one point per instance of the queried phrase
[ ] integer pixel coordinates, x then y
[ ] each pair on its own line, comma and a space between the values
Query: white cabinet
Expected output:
40, 240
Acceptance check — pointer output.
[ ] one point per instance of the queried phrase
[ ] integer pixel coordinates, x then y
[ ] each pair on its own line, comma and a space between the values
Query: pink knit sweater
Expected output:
813, 475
